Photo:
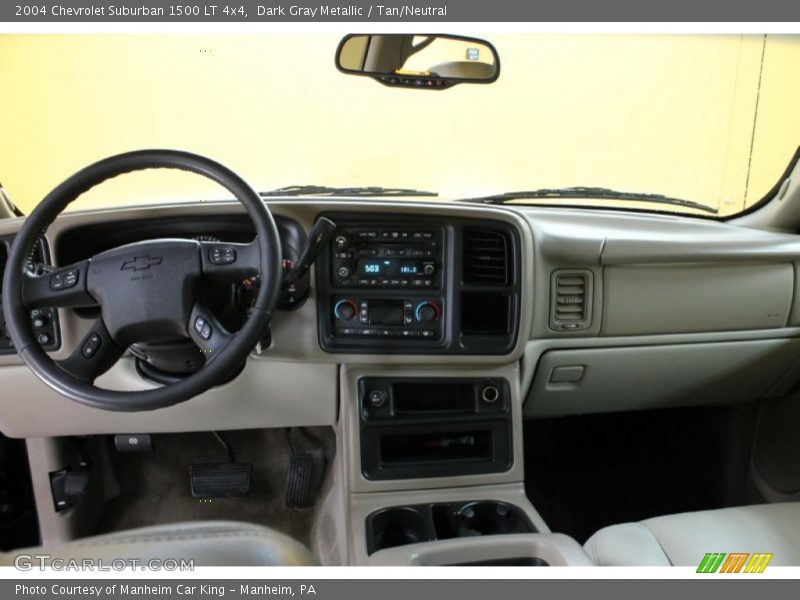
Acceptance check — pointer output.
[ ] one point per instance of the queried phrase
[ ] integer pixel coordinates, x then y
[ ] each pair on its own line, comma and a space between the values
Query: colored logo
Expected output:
734, 562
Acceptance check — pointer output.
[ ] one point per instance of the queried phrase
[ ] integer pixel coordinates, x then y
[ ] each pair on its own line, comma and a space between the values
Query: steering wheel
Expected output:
147, 291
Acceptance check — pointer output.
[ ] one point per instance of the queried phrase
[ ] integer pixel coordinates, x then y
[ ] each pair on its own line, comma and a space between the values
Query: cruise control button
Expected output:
43, 339
91, 345
202, 327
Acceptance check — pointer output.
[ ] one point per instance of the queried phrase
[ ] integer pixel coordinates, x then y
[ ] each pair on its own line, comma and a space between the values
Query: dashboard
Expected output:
581, 311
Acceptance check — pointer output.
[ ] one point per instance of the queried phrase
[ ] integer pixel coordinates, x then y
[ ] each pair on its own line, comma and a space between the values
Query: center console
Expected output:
393, 284
418, 428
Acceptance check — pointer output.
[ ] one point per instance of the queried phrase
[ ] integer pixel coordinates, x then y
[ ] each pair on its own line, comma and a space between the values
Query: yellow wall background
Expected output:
663, 114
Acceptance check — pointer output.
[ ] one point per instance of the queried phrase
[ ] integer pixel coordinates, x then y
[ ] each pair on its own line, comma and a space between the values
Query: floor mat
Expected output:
19, 526
584, 473
155, 485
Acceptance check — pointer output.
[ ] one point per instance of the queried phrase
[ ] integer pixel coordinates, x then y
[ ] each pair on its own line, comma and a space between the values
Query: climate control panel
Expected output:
387, 317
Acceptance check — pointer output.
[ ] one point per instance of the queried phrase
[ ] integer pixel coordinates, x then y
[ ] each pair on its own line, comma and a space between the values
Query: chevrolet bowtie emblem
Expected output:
140, 263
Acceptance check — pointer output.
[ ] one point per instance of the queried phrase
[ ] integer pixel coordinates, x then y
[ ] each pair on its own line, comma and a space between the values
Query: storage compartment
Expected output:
434, 447
419, 397
403, 525
653, 299
643, 377
435, 450
485, 313
434, 427
517, 561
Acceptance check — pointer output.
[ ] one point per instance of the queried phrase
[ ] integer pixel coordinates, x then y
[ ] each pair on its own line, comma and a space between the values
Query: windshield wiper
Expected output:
324, 190
591, 192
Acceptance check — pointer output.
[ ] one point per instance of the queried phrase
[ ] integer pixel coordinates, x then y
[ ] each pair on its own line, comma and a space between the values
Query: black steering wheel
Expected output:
147, 291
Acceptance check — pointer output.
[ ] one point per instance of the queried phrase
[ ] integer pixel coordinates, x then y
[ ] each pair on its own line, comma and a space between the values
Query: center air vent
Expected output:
571, 300
486, 256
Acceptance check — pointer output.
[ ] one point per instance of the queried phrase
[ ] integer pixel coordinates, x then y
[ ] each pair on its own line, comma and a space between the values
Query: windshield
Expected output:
712, 120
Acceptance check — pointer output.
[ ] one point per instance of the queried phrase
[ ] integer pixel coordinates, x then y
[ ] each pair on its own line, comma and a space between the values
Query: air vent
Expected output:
486, 256
571, 300
3, 261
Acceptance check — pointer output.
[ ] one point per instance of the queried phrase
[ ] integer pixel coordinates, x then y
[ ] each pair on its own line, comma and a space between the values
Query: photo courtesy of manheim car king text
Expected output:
402, 300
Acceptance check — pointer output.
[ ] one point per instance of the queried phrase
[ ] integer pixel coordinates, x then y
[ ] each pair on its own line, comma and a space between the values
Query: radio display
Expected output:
389, 267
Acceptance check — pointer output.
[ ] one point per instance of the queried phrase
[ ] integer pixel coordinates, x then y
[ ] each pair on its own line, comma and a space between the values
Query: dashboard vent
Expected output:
486, 256
571, 300
3, 261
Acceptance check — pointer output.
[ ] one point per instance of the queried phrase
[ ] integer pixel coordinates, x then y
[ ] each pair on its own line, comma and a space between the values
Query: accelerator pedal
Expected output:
300, 490
306, 468
220, 480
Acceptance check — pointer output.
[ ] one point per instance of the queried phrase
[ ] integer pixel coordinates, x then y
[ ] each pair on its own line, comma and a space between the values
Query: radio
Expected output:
418, 318
387, 257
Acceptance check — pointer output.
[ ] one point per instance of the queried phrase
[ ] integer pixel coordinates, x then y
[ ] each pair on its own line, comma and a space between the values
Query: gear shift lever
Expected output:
318, 237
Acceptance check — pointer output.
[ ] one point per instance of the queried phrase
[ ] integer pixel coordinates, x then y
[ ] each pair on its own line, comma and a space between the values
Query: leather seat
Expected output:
207, 543
684, 539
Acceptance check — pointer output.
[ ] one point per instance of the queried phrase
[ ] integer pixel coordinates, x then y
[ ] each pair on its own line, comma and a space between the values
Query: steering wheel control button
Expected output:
64, 280
222, 255
91, 345
202, 327
43, 339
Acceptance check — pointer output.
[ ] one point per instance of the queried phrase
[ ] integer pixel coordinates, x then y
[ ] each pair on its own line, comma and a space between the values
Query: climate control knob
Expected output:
344, 310
427, 312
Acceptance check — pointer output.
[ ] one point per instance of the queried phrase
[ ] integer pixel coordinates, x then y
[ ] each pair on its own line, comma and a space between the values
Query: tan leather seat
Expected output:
684, 539
207, 543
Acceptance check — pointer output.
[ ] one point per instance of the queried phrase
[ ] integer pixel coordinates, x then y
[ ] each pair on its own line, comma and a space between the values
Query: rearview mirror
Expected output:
431, 61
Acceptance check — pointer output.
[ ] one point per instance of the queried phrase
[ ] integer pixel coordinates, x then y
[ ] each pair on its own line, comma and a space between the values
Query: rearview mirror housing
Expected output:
424, 61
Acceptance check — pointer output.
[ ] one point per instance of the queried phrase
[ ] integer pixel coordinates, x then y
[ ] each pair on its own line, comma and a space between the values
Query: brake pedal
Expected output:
220, 480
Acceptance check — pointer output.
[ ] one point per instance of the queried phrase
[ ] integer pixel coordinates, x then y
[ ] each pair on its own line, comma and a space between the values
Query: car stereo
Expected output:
387, 257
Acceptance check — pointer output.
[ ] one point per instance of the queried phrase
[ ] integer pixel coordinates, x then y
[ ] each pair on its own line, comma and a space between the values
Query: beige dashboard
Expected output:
714, 305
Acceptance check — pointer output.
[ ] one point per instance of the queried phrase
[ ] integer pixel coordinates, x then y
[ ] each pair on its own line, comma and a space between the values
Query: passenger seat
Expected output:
684, 539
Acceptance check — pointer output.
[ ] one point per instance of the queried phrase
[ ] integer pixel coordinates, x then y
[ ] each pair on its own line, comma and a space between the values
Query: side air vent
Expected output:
571, 300
486, 256
3, 261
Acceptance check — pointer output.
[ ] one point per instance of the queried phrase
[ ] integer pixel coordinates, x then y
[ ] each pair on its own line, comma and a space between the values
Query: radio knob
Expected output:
344, 271
427, 312
429, 269
340, 242
377, 398
344, 310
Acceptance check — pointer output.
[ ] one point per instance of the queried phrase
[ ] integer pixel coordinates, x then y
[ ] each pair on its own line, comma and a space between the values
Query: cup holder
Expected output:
398, 527
403, 525
491, 518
